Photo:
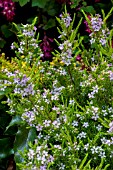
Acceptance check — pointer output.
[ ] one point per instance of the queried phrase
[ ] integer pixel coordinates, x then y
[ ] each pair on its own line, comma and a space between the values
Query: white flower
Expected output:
43, 159
38, 149
74, 123
91, 95
56, 123
94, 150
108, 142
47, 123
92, 40
99, 127
71, 101
62, 166
45, 153
57, 146
81, 135
40, 136
103, 140
86, 146
39, 127
86, 124
31, 154
61, 46
95, 89
95, 116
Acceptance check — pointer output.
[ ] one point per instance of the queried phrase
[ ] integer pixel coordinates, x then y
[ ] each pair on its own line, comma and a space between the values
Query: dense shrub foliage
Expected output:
63, 108
46, 10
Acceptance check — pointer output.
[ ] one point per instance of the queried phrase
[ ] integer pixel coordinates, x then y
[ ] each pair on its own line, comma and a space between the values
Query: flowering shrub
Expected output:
66, 103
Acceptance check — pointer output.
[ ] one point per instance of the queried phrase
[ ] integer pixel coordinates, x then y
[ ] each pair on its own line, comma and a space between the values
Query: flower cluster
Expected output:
21, 83
28, 45
39, 155
98, 33
8, 7
66, 19
66, 52
96, 23
46, 47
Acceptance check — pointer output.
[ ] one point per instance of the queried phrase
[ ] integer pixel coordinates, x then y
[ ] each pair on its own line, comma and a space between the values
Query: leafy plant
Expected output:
63, 109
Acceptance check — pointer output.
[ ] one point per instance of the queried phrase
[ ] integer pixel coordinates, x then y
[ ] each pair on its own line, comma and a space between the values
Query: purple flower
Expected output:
96, 23
66, 19
28, 90
111, 75
46, 47
24, 81
78, 58
110, 127
43, 167
51, 159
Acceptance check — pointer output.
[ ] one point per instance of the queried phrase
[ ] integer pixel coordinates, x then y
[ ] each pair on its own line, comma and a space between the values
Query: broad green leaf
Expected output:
75, 3
6, 145
15, 0
89, 9
51, 23
23, 2
2, 42
5, 31
39, 3
15, 121
52, 12
3, 164
2, 94
23, 137
30, 20
4, 117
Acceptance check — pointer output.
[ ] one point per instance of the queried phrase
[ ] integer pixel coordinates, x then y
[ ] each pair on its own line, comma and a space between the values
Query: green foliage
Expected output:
22, 2
75, 3
6, 147
51, 23
2, 42
5, 30
22, 139
39, 3
63, 109
6, 138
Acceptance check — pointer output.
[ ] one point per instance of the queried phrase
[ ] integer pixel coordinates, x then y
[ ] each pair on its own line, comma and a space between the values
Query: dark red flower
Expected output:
97, 0
8, 7
46, 47
78, 58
